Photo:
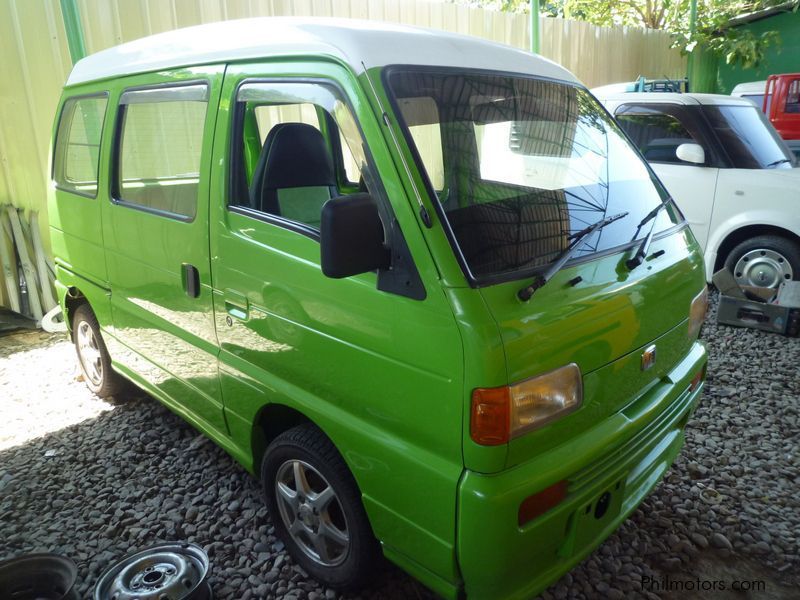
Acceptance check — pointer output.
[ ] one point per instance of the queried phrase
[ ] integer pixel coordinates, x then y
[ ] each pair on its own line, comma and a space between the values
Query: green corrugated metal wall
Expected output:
780, 58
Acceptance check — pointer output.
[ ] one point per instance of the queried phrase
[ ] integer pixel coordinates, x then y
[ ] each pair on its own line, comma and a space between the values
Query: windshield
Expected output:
748, 138
519, 164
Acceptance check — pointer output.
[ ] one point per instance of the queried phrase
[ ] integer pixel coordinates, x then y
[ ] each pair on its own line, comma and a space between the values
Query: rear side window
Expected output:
656, 132
793, 97
77, 150
159, 149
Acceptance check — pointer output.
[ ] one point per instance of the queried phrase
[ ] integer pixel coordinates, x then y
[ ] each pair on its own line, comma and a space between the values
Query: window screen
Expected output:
78, 144
160, 147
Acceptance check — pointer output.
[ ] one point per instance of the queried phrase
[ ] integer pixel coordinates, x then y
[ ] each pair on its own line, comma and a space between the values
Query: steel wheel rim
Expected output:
39, 576
762, 268
312, 513
89, 353
174, 571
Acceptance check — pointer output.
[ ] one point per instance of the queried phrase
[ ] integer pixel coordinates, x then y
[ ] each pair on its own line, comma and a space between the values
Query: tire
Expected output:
312, 528
764, 261
93, 357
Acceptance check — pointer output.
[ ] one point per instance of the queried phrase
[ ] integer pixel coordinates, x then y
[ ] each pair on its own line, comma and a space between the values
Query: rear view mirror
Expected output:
692, 153
351, 237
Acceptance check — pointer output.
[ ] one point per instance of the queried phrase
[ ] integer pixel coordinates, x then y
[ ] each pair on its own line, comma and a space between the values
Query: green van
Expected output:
421, 285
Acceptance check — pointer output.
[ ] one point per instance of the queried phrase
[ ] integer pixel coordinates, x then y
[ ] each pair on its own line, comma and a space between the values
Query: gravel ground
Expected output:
96, 480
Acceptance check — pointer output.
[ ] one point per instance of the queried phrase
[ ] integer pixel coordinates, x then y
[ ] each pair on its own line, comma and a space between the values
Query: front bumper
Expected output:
500, 559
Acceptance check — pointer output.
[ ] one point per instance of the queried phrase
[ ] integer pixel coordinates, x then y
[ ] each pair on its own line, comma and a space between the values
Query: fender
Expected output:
771, 218
98, 296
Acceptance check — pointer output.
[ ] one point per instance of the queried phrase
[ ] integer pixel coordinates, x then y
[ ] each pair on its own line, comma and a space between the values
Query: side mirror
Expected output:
351, 237
692, 153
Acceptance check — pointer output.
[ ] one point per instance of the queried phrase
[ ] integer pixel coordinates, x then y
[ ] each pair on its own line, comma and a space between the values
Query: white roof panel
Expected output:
374, 43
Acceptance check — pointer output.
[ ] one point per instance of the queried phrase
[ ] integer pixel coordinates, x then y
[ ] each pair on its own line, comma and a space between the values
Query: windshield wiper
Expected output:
775, 163
577, 240
641, 252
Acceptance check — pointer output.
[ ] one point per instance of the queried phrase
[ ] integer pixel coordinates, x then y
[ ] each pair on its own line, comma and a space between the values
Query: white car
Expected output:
729, 172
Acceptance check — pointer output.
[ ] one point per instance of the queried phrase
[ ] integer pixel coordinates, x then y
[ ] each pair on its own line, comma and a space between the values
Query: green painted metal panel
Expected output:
779, 58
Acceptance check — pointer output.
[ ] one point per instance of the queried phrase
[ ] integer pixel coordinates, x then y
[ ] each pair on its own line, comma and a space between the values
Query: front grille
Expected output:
638, 444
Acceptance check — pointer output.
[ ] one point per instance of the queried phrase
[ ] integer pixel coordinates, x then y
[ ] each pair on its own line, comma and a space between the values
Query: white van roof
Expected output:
352, 41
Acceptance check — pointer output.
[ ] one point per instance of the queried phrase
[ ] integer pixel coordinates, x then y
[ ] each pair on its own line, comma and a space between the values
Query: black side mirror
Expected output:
351, 237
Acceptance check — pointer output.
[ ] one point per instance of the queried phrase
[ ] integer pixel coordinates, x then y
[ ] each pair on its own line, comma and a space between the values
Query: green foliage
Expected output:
712, 33
733, 44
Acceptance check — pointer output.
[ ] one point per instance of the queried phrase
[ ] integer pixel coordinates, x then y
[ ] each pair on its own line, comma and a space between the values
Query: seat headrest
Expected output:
296, 156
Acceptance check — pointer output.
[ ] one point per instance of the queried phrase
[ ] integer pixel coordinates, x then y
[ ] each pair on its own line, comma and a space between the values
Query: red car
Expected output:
779, 98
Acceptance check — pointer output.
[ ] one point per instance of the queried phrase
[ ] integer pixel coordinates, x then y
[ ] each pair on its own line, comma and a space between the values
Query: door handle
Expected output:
236, 304
191, 280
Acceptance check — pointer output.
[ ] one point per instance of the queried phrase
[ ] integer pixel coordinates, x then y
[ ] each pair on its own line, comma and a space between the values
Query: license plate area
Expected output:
593, 517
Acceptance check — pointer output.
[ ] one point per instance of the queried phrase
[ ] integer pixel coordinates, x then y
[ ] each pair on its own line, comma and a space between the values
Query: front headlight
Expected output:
501, 414
697, 313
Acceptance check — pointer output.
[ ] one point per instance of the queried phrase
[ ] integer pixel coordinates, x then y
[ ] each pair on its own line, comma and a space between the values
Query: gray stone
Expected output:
272, 575
720, 541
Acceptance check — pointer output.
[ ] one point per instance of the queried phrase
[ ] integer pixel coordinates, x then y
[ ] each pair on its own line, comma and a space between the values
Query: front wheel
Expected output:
764, 261
316, 508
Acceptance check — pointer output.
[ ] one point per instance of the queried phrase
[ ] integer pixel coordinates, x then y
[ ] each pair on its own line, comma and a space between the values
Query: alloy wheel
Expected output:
89, 353
312, 513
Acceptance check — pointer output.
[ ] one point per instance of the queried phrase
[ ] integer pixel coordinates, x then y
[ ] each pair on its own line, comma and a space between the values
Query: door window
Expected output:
159, 148
793, 97
656, 131
78, 145
268, 116
296, 146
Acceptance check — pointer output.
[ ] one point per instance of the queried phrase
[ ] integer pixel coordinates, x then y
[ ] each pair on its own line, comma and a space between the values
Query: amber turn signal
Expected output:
697, 313
490, 424
697, 379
